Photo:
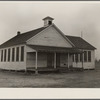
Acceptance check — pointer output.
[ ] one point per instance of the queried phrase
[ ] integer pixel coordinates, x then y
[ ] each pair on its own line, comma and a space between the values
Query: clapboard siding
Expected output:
42, 59
87, 65
30, 60
49, 37
16, 65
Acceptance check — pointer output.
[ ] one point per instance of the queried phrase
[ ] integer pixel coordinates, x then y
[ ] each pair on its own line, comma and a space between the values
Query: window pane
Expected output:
81, 57
73, 58
76, 57
5, 52
50, 22
85, 56
8, 54
1, 55
89, 56
22, 53
13, 54
17, 54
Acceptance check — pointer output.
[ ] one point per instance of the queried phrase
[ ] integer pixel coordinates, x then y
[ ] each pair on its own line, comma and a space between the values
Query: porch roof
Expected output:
54, 49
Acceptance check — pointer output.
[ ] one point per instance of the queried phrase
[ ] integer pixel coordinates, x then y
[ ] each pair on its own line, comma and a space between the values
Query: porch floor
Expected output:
52, 69
42, 69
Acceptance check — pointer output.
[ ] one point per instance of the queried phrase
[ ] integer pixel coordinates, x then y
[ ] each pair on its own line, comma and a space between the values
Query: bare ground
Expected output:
85, 79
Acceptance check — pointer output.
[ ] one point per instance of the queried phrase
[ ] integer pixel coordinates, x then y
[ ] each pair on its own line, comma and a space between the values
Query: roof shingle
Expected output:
80, 43
22, 38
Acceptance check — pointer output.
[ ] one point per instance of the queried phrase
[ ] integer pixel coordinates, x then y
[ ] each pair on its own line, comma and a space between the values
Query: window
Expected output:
81, 57
2, 56
13, 54
5, 53
17, 54
76, 57
85, 56
22, 53
50, 22
8, 54
73, 58
89, 56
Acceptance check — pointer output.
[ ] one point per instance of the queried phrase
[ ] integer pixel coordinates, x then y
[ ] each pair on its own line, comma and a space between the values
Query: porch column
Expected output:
55, 60
36, 71
82, 60
68, 60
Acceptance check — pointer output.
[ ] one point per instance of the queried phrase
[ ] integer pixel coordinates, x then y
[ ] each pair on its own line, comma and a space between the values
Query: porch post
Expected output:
36, 71
68, 60
82, 60
55, 60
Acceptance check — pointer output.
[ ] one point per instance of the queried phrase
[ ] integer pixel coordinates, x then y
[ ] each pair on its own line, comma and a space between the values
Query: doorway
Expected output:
50, 59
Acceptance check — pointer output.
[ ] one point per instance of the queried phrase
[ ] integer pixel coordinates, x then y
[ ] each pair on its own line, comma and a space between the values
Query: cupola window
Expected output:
50, 22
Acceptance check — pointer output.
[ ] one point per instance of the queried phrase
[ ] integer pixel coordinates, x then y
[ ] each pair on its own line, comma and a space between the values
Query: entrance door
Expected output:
58, 59
50, 60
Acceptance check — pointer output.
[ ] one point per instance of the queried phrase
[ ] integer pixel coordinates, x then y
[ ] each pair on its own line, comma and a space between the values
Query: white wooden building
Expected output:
46, 47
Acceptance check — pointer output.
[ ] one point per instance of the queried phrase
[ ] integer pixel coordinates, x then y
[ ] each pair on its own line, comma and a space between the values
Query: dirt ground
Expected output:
85, 79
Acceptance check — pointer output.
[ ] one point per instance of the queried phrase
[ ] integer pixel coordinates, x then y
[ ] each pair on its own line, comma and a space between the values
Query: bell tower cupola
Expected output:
47, 21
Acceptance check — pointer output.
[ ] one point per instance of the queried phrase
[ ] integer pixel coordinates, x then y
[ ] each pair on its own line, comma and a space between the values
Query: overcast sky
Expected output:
71, 18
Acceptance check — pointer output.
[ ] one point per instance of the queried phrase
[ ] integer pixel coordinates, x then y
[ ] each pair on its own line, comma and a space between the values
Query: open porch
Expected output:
50, 59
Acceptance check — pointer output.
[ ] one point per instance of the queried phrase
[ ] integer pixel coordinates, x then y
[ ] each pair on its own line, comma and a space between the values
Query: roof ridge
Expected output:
32, 30
73, 36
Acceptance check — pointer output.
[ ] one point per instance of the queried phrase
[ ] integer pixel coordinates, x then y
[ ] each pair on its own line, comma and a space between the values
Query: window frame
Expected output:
85, 56
22, 54
9, 54
17, 54
13, 54
76, 58
5, 55
73, 57
49, 22
2, 55
89, 56
81, 57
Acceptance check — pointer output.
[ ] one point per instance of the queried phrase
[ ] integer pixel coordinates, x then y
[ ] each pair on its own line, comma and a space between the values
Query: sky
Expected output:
71, 17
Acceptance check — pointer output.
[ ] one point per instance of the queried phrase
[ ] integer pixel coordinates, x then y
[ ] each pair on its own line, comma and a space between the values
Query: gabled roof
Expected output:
80, 43
48, 18
22, 38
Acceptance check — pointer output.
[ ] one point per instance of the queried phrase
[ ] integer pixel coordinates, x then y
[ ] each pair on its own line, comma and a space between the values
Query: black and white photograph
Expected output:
49, 44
